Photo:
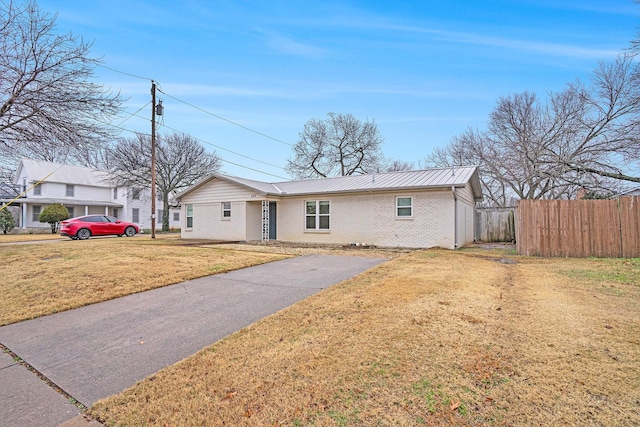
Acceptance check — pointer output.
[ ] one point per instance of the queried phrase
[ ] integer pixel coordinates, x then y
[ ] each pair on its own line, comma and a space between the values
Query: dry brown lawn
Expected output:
429, 338
13, 238
40, 279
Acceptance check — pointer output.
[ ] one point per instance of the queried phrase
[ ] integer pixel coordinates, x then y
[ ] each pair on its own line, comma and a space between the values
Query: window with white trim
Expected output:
135, 193
70, 209
189, 211
404, 207
71, 189
226, 210
176, 216
317, 215
135, 215
37, 190
36, 213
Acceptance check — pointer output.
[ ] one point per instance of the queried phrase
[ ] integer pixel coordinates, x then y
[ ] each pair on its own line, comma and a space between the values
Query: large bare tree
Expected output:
180, 162
586, 136
336, 146
49, 108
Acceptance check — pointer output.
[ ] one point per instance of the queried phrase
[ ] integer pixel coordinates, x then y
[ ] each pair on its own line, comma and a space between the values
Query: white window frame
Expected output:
188, 208
135, 193
36, 210
71, 190
176, 216
135, 212
115, 193
403, 207
37, 190
226, 211
317, 215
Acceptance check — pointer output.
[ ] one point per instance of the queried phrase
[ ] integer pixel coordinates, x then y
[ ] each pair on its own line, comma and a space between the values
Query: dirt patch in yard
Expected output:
431, 337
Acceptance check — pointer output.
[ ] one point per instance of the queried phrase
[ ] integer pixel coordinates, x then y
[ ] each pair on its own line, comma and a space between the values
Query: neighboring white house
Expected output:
83, 191
422, 208
631, 192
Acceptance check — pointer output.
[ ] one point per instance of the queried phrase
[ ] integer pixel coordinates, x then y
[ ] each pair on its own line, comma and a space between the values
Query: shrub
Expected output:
53, 214
7, 221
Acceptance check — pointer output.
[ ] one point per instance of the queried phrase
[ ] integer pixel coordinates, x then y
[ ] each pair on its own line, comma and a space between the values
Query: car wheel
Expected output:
83, 234
130, 231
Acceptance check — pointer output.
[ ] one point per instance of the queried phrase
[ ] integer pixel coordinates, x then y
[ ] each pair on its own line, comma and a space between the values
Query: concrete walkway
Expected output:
102, 349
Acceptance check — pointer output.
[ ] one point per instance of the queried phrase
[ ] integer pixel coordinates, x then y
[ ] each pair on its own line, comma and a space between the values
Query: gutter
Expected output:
455, 217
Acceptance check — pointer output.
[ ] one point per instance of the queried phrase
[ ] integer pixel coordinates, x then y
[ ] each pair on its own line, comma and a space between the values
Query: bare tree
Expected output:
337, 146
399, 165
180, 162
583, 137
49, 108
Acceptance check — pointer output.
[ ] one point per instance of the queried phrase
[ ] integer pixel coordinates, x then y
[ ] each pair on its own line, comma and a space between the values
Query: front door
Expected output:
272, 220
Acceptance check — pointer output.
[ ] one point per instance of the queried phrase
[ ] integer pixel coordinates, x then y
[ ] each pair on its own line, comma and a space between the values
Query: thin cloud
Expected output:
289, 46
561, 50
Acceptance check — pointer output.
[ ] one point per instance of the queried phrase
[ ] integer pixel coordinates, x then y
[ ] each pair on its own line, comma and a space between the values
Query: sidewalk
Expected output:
102, 349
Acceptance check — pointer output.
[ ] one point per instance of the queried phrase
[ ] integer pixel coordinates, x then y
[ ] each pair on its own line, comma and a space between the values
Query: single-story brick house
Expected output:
423, 208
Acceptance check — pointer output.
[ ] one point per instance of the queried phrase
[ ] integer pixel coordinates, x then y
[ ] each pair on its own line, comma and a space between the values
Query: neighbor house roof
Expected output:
54, 172
403, 180
631, 192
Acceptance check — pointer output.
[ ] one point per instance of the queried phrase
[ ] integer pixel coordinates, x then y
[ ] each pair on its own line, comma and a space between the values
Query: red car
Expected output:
84, 227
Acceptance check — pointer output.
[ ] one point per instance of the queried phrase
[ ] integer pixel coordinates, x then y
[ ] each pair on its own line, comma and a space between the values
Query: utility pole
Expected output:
153, 159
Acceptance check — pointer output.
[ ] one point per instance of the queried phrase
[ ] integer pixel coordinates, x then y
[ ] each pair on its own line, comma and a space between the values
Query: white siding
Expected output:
218, 190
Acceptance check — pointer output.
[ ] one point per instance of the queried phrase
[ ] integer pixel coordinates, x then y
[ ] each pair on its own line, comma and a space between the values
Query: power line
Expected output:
134, 114
217, 146
227, 120
99, 64
208, 143
196, 107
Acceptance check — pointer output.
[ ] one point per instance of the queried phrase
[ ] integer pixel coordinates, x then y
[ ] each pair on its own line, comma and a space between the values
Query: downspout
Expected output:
455, 217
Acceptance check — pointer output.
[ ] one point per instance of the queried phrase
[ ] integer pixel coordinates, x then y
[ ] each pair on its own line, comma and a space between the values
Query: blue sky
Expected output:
425, 71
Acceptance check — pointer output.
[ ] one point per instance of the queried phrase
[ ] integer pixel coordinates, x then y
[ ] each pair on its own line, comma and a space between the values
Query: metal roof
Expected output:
55, 172
428, 178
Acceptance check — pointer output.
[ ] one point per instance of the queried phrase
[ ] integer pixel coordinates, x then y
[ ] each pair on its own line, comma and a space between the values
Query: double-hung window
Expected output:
135, 215
70, 190
189, 210
317, 215
226, 210
37, 190
404, 207
36, 213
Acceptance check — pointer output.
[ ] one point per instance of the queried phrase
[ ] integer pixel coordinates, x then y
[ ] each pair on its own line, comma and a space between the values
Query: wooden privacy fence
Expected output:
495, 225
579, 228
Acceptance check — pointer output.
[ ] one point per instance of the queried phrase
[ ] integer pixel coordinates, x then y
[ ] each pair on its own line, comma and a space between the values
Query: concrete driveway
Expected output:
98, 350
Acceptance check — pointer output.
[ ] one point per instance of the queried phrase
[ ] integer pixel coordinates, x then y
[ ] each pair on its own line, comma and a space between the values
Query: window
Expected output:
189, 209
37, 190
404, 206
135, 215
317, 215
115, 192
226, 210
36, 213
70, 190
70, 210
176, 216
115, 212
160, 215
135, 193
